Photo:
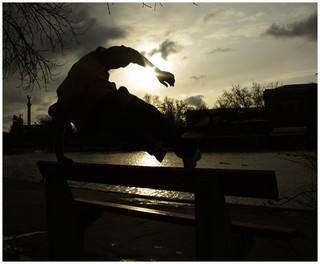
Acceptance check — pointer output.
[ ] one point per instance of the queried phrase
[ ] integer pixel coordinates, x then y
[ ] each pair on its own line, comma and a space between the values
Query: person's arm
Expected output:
58, 126
58, 140
121, 56
166, 78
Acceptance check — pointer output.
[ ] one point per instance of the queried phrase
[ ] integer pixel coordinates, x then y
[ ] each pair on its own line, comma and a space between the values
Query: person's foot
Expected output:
191, 162
159, 153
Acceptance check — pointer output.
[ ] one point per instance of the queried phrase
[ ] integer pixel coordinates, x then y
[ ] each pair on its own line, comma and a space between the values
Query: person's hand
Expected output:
166, 78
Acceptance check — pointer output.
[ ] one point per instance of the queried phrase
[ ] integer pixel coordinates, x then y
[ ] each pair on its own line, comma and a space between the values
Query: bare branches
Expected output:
243, 97
154, 5
145, 5
174, 110
237, 98
32, 32
109, 10
301, 158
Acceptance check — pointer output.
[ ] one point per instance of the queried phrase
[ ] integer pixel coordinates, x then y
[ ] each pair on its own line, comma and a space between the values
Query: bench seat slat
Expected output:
139, 211
178, 218
264, 230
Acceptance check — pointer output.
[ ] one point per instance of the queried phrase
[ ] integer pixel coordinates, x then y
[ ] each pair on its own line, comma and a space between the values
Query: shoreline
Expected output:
312, 149
118, 237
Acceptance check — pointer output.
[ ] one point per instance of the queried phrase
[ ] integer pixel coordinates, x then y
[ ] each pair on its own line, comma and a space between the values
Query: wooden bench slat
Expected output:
178, 218
139, 211
243, 183
264, 230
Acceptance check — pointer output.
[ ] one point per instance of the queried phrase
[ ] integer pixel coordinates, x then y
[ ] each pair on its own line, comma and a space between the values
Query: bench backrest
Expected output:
243, 183
213, 226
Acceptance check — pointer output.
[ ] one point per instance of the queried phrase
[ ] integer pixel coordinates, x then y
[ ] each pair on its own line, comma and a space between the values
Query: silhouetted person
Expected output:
94, 105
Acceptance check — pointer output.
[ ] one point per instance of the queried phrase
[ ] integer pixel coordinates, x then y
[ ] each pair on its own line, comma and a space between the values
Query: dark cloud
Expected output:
38, 117
219, 50
91, 33
15, 100
99, 35
87, 34
14, 103
166, 48
198, 77
194, 100
7, 122
306, 28
208, 17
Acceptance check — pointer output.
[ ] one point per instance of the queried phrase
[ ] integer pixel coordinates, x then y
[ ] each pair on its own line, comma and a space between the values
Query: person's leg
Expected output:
145, 122
135, 120
132, 126
106, 114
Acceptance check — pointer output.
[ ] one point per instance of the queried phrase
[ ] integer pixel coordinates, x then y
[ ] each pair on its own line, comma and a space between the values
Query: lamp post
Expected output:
29, 110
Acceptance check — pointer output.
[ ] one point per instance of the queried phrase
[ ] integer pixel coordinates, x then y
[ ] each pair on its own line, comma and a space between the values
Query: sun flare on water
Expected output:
146, 159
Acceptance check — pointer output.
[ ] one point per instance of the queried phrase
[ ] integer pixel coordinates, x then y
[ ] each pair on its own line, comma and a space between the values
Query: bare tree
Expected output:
174, 110
240, 97
32, 32
307, 194
201, 106
237, 98
44, 120
153, 99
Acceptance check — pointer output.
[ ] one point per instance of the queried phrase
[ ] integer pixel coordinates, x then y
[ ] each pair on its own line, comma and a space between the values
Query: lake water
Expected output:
296, 176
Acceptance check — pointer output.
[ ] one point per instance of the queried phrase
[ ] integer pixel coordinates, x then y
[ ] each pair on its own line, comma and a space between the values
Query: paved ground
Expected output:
117, 237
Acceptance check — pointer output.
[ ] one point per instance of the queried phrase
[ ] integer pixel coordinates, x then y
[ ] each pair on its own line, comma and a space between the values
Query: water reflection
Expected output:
293, 176
144, 159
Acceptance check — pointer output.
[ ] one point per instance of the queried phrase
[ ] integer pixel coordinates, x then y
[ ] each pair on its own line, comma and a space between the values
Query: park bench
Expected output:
215, 233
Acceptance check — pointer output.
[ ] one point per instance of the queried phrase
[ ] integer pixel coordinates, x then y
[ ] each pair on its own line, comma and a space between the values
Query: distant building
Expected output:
227, 128
292, 106
288, 118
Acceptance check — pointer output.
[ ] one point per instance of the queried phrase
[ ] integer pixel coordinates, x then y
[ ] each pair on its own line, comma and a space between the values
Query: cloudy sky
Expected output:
208, 46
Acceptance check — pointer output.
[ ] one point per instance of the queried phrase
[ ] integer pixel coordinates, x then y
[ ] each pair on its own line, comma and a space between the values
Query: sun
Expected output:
145, 77
139, 79
159, 62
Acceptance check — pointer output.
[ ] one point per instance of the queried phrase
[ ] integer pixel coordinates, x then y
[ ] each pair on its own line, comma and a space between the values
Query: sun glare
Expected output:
144, 77
159, 62
147, 160
139, 79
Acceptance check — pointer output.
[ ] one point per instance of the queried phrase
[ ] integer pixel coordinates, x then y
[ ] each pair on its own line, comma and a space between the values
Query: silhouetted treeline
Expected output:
288, 120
